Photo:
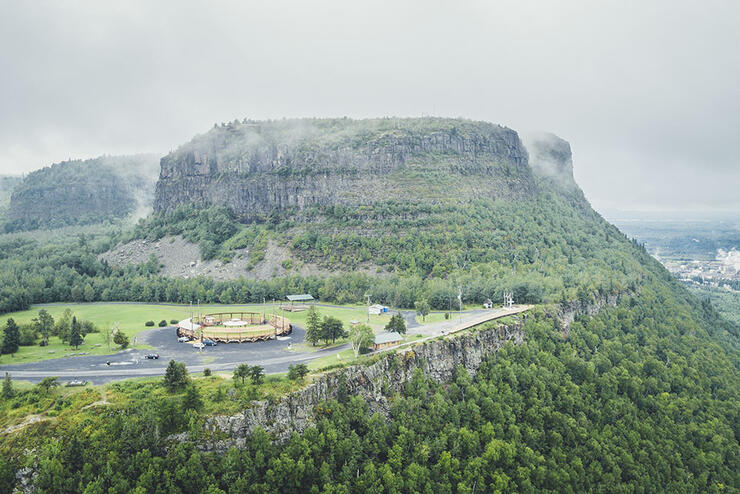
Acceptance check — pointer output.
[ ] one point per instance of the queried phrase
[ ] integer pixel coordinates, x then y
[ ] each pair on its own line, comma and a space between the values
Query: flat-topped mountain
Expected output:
431, 197
83, 191
258, 167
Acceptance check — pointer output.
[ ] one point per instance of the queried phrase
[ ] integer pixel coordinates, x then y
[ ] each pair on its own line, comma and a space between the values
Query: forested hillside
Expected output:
642, 397
81, 192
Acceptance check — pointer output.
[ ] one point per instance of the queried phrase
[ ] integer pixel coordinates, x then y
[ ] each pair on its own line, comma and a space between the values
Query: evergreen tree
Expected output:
313, 326
176, 376
11, 338
75, 336
397, 324
257, 374
192, 399
8, 391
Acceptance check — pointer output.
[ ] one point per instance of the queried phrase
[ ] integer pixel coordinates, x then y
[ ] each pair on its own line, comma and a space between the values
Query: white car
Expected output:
183, 339
199, 345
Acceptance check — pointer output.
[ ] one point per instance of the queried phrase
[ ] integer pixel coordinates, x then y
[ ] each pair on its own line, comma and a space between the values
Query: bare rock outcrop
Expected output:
375, 383
259, 167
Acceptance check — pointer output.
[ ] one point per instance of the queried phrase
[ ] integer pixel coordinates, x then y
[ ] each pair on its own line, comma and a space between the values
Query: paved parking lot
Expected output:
273, 355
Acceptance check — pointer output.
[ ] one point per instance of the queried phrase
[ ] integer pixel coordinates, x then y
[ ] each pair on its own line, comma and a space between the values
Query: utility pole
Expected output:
368, 307
459, 298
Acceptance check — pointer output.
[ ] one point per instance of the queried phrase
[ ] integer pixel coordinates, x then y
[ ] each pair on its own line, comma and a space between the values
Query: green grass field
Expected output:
433, 317
131, 319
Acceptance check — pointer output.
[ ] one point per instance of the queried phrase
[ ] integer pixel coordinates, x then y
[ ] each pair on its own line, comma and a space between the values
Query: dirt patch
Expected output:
181, 259
31, 419
96, 404
178, 257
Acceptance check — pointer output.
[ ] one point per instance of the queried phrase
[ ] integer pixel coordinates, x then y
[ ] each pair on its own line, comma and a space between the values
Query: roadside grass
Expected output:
94, 344
33, 407
439, 315
309, 348
434, 317
344, 357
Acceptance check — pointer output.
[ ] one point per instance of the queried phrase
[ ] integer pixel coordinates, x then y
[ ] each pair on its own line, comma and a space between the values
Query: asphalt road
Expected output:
273, 355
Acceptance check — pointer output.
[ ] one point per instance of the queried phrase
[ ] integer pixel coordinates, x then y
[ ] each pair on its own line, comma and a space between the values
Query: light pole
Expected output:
459, 298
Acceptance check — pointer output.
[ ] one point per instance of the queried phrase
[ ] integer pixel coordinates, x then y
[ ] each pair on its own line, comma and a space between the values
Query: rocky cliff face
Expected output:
257, 167
375, 383
550, 157
75, 192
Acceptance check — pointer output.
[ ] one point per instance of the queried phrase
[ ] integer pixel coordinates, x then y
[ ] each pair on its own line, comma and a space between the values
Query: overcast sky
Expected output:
647, 93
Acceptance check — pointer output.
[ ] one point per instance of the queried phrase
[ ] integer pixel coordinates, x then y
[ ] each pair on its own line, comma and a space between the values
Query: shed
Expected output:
377, 309
386, 339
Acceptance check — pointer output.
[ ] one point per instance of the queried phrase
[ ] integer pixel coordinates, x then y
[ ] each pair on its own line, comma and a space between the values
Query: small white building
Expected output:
377, 309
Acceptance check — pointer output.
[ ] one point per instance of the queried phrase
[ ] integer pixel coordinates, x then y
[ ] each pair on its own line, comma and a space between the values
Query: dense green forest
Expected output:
640, 398
549, 249
78, 192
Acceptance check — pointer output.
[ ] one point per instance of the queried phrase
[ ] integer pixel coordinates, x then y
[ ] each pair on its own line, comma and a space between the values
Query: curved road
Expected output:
274, 355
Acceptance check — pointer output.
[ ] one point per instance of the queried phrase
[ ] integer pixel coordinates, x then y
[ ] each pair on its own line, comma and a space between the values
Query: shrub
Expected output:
206, 372
28, 336
120, 339
162, 323
174, 321
297, 372
149, 323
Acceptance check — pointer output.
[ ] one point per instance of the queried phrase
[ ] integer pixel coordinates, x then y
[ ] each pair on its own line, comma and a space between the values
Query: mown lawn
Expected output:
131, 319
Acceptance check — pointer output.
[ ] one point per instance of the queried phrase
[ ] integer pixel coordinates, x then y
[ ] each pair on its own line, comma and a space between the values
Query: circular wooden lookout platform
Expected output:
235, 327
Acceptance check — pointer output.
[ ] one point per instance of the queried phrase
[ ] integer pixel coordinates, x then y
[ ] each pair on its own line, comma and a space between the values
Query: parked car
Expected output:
152, 356
75, 383
209, 342
183, 339
198, 345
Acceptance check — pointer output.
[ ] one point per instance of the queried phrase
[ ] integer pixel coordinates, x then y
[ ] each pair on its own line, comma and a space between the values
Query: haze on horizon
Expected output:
648, 94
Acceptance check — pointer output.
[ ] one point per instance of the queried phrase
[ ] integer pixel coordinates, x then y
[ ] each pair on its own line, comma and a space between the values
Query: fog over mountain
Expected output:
646, 93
